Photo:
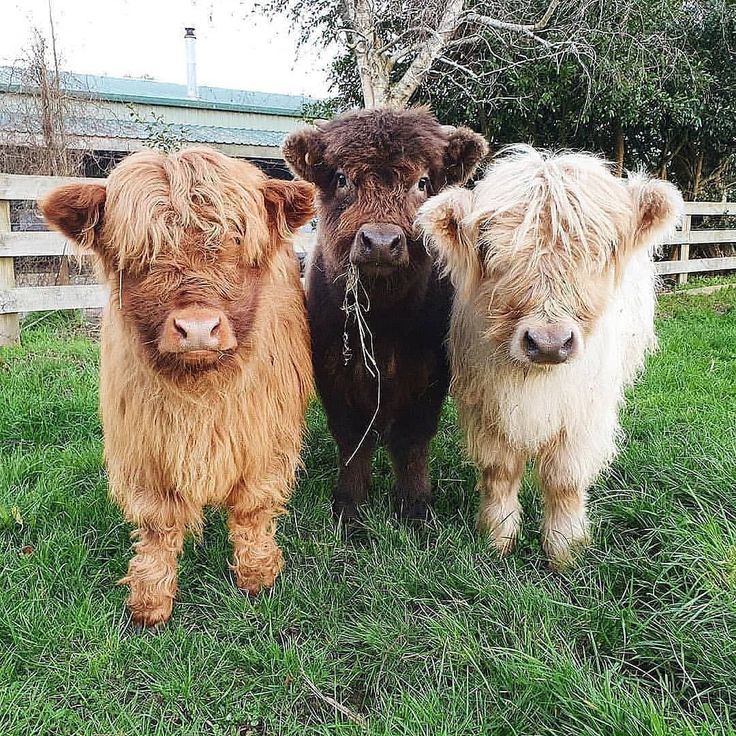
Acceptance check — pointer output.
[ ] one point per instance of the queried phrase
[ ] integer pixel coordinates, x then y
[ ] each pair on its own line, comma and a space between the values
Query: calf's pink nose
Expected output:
199, 334
197, 328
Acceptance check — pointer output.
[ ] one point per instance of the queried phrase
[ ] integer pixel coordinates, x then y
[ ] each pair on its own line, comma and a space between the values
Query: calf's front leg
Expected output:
408, 444
257, 559
499, 512
413, 490
565, 474
355, 448
354, 474
152, 573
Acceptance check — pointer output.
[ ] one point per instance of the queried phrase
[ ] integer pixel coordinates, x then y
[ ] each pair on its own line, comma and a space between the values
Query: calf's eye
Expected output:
341, 180
423, 184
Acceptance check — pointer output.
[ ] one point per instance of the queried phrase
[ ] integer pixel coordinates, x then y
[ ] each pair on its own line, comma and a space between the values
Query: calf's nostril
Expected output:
181, 330
530, 345
365, 241
567, 345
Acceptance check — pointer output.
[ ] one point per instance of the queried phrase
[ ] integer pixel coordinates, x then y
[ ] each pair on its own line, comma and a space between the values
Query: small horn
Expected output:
307, 159
448, 129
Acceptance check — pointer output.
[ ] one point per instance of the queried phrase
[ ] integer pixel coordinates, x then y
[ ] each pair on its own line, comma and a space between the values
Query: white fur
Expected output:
531, 406
548, 239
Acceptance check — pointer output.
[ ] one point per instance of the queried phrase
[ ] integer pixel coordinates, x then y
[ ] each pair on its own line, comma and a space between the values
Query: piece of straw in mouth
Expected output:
353, 290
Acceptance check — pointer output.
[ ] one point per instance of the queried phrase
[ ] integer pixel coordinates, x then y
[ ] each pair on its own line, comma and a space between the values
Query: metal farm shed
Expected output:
108, 117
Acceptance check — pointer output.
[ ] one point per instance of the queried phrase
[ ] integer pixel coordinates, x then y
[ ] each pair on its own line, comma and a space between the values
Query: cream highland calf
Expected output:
551, 256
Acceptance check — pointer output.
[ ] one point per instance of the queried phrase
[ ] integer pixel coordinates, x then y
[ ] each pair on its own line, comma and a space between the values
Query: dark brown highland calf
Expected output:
205, 370
378, 310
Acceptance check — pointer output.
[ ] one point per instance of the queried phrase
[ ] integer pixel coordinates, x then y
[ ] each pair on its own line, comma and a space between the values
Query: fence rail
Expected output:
15, 300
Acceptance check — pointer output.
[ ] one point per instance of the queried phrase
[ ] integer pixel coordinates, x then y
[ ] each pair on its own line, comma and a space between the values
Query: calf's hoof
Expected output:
252, 585
564, 547
345, 511
412, 509
253, 578
140, 629
150, 616
565, 557
502, 526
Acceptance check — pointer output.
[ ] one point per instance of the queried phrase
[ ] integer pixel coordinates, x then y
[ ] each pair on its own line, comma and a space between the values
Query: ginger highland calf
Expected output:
205, 360
554, 315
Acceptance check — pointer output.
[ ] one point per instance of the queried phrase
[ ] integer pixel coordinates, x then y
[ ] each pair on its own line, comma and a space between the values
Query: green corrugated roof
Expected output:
145, 91
139, 130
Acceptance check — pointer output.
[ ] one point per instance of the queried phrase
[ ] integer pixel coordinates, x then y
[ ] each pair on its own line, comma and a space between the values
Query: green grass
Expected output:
696, 281
414, 632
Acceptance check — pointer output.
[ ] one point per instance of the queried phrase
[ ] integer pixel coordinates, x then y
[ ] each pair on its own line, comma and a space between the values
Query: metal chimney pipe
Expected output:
190, 41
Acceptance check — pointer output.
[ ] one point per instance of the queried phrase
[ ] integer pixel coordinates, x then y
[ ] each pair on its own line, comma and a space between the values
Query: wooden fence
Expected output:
15, 300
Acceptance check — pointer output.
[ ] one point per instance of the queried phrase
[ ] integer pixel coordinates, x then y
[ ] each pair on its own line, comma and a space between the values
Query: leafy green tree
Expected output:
661, 95
390, 48
648, 83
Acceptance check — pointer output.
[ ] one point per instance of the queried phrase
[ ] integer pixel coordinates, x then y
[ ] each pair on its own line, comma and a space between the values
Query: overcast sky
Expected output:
146, 37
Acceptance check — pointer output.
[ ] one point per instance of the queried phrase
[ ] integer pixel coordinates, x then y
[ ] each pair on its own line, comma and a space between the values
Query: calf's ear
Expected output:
658, 207
76, 210
289, 204
304, 153
444, 219
465, 150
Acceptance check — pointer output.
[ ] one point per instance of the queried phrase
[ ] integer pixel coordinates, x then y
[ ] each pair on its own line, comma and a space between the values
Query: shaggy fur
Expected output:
373, 169
545, 240
196, 229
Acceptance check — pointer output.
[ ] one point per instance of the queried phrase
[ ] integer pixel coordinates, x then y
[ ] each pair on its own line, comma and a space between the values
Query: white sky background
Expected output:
146, 37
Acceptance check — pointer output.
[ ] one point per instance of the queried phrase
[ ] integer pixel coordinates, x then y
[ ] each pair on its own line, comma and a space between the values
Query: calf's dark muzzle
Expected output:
379, 246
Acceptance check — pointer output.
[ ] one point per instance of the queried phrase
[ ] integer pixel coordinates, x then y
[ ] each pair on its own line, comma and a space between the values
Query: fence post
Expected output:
684, 247
9, 323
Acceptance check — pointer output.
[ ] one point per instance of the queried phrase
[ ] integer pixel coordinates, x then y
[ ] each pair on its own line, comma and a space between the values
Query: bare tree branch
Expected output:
526, 28
421, 64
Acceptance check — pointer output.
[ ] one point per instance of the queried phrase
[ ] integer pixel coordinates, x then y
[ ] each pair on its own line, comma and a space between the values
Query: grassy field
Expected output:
411, 632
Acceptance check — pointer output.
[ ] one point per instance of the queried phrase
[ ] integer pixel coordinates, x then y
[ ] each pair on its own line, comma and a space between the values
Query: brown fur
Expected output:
196, 228
373, 169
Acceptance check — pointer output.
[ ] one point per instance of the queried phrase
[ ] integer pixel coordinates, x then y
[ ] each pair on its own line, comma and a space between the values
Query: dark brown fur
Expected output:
375, 169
